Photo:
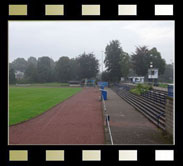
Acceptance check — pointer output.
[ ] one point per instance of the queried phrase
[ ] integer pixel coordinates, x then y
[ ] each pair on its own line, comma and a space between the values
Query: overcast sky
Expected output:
72, 38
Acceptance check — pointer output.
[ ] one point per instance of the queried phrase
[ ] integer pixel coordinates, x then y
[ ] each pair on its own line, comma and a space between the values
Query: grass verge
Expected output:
140, 88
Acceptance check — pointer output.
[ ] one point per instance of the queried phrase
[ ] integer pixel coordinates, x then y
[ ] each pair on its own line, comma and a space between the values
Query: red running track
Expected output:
78, 120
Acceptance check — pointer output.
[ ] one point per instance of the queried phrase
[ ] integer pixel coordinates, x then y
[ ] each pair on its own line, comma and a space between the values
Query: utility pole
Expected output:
151, 66
102, 64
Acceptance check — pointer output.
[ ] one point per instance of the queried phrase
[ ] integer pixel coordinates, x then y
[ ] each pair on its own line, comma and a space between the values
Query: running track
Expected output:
78, 120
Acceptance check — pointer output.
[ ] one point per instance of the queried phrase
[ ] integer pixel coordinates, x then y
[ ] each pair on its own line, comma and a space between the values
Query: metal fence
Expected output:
156, 96
154, 111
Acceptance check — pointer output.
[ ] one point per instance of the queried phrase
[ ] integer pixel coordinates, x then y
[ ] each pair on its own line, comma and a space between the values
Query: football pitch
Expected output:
28, 102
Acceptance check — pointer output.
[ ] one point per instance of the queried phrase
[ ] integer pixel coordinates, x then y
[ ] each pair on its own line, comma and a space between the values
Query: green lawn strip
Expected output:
140, 88
163, 85
52, 84
29, 102
135, 91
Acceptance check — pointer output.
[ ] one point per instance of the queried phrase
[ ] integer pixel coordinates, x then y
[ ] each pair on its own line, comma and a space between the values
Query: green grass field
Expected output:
28, 102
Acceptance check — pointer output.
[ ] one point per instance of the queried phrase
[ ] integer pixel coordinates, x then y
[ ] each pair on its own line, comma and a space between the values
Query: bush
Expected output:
141, 88
135, 91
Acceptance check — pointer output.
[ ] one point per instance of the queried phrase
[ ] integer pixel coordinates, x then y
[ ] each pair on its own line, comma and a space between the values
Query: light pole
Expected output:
102, 64
151, 66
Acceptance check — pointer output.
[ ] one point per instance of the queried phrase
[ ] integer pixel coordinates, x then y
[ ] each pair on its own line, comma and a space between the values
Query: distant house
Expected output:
122, 79
19, 75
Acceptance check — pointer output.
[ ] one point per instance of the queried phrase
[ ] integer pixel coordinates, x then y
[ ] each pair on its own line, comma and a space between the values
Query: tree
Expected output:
31, 73
125, 64
156, 59
74, 75
141, 60
44, 69
12, 79
19, 64
63, 69
53, 73
32, 60
105, 76
112, 60
167, 76
31, 70
88, 65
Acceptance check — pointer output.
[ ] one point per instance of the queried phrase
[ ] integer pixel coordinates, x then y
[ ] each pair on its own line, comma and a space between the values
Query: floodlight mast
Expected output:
151, 66
102, 64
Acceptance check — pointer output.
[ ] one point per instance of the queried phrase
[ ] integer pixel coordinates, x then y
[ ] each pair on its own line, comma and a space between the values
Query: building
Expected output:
153, 73
19, 75
74, 83
153, 76
136, 79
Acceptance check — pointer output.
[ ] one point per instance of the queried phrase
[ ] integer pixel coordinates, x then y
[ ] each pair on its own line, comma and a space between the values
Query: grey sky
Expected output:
72, 38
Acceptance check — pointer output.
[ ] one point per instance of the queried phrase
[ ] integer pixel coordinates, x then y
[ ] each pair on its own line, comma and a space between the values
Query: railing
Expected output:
156, 96
107, 118
153, 110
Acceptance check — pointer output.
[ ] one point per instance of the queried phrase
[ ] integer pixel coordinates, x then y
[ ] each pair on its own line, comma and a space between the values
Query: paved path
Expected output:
128, 126
78, 120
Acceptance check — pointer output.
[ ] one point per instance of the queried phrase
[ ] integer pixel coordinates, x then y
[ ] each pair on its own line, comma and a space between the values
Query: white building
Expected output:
74, 83
153, 73
136, 79
122, 79
19, 75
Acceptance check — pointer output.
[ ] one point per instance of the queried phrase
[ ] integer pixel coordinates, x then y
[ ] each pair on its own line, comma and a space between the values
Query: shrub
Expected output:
141, 88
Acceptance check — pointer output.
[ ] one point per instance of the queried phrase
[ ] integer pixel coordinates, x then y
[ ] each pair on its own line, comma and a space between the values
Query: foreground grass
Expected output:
28, 102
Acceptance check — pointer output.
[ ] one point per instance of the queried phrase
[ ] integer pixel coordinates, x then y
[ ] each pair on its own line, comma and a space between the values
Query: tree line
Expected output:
118, 63
44, 69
